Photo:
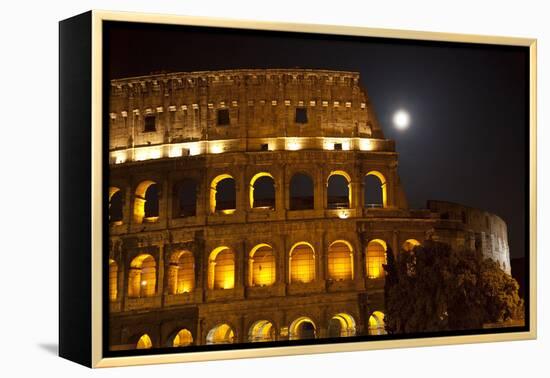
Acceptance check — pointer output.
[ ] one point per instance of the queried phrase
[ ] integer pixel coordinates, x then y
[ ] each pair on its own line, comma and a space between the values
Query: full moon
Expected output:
401, 119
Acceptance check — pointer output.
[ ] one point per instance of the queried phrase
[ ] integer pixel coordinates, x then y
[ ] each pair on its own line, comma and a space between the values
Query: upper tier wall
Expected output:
184, 107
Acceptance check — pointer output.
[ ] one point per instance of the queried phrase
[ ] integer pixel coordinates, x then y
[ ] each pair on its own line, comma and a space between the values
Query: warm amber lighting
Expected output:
221, 334
343, 214
293, 145
340, 261
302, 263
181, 273
216, 148
139, 202
348, 179
261, 331
376, 324
409, 244
328, 143
342, 325
228, 211
376, 257
148, 153
144, 342
221, 269
176, 150
252, 181
262, 266
366, 144
142, 277
383, 186
119, 157
302, 328
113, 280
183, 338
214, 190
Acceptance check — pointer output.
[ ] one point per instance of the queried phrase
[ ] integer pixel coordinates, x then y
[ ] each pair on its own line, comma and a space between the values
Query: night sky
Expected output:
467, 141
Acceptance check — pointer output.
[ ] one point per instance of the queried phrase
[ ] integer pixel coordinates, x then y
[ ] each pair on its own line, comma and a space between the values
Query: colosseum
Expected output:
258, 205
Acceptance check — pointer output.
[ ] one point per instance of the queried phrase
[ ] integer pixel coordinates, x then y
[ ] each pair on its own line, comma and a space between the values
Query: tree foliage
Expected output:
437, 288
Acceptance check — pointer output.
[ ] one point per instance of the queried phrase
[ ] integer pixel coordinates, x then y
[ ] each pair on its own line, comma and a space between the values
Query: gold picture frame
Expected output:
97, 177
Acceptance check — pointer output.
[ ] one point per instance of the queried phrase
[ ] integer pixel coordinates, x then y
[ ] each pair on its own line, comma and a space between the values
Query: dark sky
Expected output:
467, 141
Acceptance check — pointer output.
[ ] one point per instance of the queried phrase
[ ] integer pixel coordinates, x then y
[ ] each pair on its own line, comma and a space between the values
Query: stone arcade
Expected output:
258, 205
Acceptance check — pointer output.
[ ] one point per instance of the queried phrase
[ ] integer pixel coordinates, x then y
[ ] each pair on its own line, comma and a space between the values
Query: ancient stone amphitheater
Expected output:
259, 205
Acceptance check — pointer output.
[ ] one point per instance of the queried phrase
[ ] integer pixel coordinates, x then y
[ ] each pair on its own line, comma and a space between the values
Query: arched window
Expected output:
409, 245
302, 329
302, 263
221, 269
375, 189
223, 195
262, 191
376, 324
340, 261
181, 273
183, 338
339, 190
146, 202
341, 325
260, 331
220, 334
142, 277
144, 342
185, 204
261, 266
115, 205
301, 192
113, 280
376, 257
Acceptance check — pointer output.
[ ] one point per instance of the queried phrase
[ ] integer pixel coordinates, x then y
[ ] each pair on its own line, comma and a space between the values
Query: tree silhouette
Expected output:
436, 288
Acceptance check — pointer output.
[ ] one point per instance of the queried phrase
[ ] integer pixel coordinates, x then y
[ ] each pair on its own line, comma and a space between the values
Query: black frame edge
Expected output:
75, 180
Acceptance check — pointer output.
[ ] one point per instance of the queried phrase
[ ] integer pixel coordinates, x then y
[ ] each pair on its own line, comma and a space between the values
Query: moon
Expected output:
401, 119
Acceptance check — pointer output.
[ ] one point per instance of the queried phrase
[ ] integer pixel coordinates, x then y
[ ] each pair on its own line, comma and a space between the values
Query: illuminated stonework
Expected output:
260, 207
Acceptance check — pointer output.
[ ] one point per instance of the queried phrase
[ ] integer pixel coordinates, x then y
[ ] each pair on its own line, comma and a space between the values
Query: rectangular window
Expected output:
150, 123
223, 117
265, 147
301, 115
338, 146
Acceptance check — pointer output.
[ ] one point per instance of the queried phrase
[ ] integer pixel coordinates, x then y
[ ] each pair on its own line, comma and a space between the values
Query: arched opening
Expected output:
261, 266
339, 190
146, 202
142, 277
341, 325
220, 334
376, 191
302, 263
181, 273
115, 206
262, 191
186, 199
223, 195
113, 280
409, 244
144, 342
183, 338
376, 257
340, 261
261, 331
302, 329
221, 269
376, 324
301, 192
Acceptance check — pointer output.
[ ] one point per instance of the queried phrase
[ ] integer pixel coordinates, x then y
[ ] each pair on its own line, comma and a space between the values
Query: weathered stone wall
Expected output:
261, 104
341, 135
487, 232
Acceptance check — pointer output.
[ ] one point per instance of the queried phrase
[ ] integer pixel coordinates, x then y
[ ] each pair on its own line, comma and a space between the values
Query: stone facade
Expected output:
238, 126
